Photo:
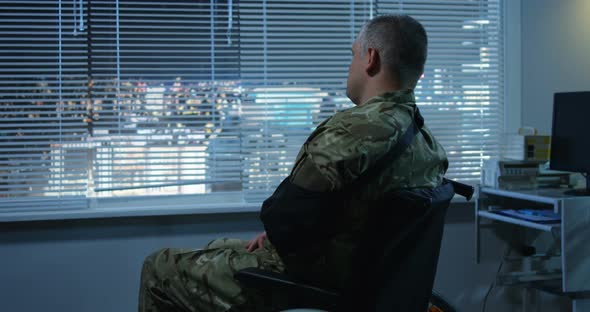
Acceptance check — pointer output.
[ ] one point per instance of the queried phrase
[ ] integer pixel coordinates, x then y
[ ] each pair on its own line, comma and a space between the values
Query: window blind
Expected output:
461, 92
103, 99
43, 159
294, 59
166, 97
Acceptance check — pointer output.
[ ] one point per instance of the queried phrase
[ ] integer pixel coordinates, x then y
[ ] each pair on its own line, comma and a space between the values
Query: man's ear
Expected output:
373, 64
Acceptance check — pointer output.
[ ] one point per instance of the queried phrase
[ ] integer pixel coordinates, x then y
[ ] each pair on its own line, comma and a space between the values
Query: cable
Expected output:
493, 284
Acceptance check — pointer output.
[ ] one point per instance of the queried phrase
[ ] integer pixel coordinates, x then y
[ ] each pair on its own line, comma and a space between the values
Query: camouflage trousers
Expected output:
202, 280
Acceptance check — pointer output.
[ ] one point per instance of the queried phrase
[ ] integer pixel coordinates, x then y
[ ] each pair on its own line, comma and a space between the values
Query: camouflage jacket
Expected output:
343, 147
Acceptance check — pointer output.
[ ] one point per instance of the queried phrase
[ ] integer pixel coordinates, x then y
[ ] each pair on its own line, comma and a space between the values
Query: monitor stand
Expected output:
581, 192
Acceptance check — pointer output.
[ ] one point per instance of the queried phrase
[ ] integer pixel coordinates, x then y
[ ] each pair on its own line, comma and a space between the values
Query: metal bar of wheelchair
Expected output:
315, 297
272, 279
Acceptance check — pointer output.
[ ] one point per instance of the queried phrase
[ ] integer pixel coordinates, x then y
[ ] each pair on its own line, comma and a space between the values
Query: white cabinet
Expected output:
573, 229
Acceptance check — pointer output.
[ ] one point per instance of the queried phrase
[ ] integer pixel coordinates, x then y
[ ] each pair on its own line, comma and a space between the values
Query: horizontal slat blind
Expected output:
107, 98
461, 93
166, 90
43, 155
295, 56
294, 60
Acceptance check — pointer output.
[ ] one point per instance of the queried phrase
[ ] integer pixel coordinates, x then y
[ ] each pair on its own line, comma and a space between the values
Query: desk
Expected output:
573, 230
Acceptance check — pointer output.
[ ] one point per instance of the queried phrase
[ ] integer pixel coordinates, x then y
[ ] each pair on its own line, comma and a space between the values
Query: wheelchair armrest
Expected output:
441, 303
261, 279
462, 189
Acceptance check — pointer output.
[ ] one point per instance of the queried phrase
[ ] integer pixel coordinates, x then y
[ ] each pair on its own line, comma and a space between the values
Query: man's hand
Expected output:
257, 242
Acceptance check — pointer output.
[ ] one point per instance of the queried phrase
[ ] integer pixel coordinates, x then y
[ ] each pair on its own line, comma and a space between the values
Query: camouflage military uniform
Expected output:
335, 154
202, 280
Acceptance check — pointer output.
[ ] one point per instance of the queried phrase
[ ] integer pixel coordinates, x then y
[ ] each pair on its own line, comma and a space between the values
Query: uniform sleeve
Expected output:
338, 152
330, 159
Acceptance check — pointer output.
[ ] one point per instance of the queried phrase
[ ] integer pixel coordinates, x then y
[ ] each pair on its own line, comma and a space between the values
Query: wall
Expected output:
555, 55
94, 265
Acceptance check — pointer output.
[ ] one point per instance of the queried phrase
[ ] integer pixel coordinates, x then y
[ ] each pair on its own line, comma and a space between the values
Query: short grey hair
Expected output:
402, 44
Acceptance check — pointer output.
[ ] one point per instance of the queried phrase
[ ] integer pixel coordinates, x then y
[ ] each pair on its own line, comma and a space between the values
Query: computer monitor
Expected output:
570, 135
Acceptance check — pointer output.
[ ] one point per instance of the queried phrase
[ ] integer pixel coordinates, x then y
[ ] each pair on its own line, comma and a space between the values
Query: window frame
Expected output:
184, 204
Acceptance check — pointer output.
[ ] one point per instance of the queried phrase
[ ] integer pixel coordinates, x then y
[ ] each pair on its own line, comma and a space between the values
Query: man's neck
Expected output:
376, 89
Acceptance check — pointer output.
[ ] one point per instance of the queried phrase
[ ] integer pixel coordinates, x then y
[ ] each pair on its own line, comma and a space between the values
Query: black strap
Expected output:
392, 154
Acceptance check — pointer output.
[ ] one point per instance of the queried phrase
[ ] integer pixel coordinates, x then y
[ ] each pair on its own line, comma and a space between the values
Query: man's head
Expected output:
388, 54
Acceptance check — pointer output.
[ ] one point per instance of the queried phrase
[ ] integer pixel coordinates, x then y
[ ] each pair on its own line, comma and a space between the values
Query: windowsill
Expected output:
110, 212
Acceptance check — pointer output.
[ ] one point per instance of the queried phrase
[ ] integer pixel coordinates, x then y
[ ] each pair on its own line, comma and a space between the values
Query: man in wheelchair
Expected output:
360, 215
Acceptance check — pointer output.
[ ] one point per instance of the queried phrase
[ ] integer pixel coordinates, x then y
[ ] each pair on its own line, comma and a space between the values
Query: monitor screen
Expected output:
570, 135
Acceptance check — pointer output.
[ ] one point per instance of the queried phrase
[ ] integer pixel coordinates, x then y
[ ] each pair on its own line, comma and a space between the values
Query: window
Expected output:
209, 101
166, 91
461, 92
43, 126
294, 65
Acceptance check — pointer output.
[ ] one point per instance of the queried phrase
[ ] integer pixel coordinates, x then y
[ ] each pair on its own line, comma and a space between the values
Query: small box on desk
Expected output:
510, 174
537, 147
